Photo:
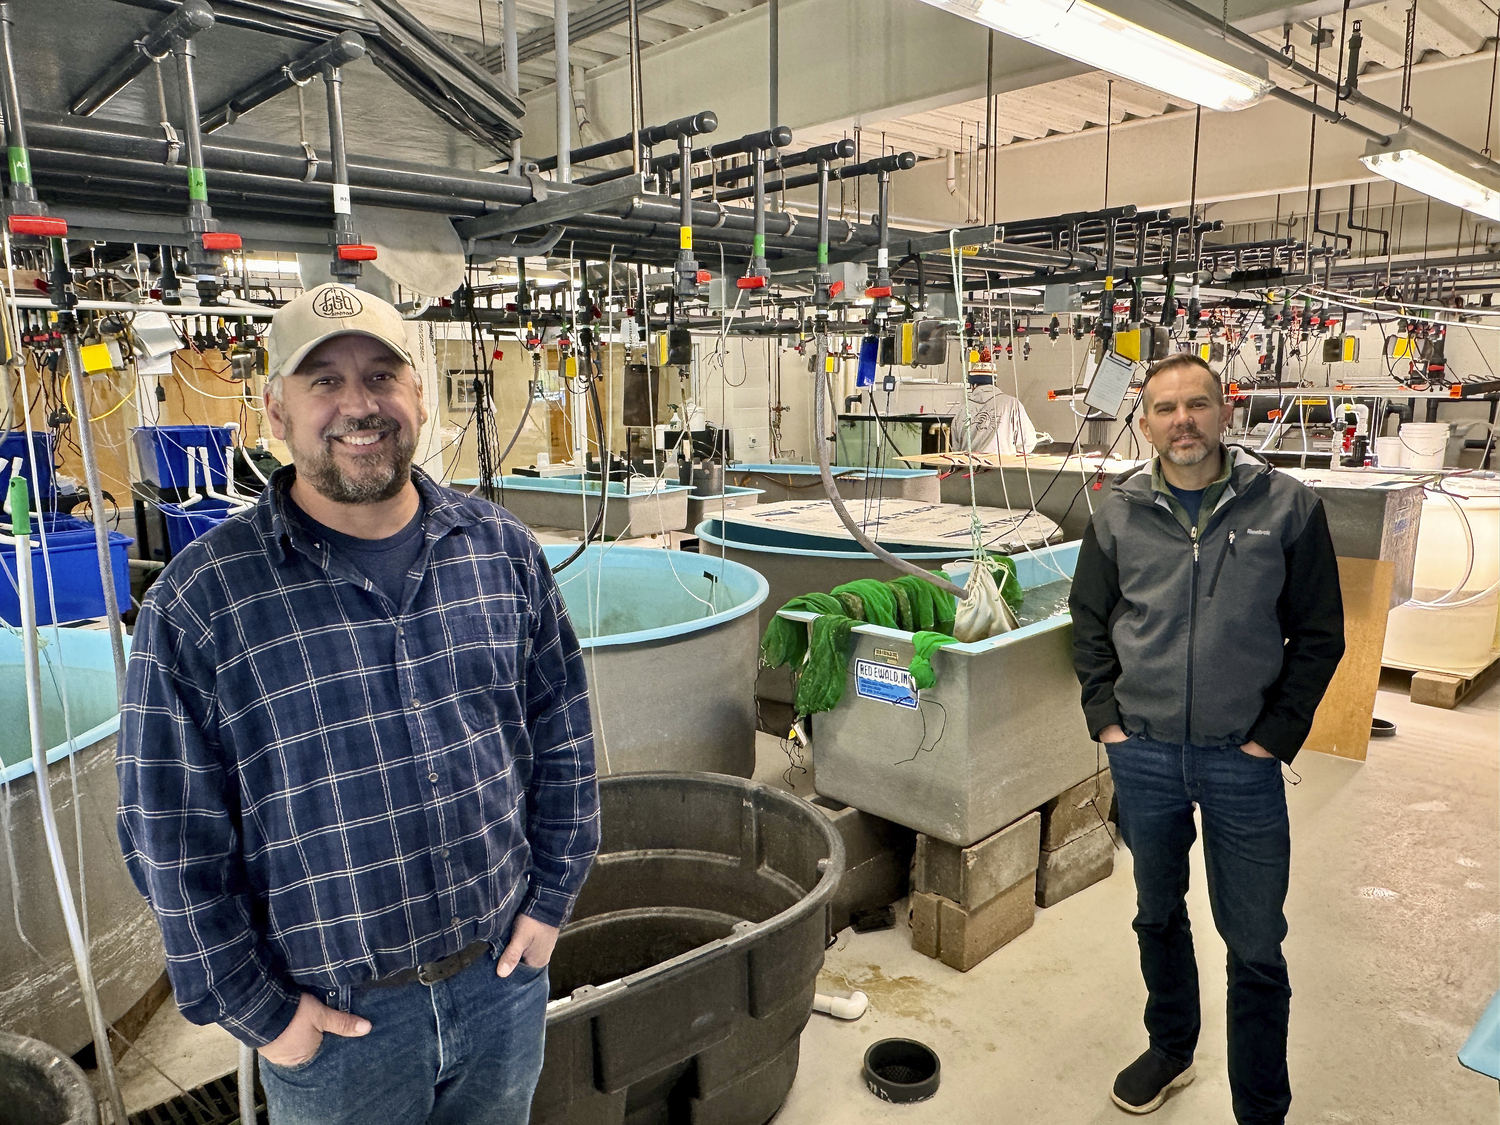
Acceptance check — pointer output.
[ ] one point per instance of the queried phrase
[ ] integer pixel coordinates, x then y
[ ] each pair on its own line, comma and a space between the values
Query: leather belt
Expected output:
433, 971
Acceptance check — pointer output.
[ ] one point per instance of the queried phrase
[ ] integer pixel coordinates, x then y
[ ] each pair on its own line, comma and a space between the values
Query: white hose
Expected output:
849, 1007
80, 949
1444, 601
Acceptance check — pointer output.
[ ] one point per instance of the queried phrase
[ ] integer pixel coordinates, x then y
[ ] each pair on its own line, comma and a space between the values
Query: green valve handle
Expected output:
20, 506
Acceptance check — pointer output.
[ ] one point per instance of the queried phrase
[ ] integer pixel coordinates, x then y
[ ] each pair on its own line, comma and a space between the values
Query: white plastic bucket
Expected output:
1423, 444
1388, 452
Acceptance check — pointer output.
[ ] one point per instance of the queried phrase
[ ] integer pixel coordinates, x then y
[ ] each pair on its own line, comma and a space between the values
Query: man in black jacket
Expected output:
1207, 624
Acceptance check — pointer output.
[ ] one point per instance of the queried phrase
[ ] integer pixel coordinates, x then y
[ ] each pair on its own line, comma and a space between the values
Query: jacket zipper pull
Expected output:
1194, 534
1231, 542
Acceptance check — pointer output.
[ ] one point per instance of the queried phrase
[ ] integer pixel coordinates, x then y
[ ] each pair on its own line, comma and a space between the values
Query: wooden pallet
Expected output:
1445, 690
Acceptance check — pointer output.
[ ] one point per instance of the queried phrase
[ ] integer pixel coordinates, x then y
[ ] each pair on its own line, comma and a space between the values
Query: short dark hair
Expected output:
1182, 359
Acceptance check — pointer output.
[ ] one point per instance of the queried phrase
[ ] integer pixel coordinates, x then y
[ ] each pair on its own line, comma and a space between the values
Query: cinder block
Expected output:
1063, 872
877, 861
967, 937
1079, 810
924, 922
972, 876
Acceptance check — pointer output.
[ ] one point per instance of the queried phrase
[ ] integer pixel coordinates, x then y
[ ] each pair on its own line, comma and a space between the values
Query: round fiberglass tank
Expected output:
39, 995
682, 983
670, 645
39, 1086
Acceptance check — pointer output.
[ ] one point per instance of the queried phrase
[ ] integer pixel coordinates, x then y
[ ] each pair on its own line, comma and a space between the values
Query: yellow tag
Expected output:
570, 367
685, 236
890, 656
1109, 284
828, 364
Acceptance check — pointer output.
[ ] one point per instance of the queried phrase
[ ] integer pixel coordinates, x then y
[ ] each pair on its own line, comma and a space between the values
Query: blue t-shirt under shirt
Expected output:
1190, 499
385, 562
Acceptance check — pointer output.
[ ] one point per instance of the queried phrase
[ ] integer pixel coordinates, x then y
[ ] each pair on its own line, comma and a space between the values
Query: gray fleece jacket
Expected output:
1215, 634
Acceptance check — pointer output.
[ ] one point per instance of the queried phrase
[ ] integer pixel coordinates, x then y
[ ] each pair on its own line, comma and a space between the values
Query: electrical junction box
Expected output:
1354, 320
98, 358
1209, 351
854, 275
1400, 347
1143, 343
932, 343
1341, 349
718, 287
1062, 298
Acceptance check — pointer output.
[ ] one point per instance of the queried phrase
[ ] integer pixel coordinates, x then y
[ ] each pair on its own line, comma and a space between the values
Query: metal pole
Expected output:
346, 271
19, 160
85, 430
512, 73
564, 90
775, 51
635, 87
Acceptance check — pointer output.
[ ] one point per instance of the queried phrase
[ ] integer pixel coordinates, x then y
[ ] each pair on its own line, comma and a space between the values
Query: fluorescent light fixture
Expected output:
1144, 41
1432, 170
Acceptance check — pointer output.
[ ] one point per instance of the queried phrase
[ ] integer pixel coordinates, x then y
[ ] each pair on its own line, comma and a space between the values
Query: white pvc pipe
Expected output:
26, 595
849, 1007
564, 92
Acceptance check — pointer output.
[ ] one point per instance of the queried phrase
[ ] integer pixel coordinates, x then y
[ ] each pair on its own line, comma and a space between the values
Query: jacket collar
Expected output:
1245, 469
286, 537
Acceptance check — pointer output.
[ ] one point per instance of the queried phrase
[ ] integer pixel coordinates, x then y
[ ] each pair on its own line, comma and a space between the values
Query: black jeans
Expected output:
1247, 853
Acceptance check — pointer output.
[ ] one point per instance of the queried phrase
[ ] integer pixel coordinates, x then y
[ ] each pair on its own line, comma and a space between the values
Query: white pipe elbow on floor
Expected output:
849, 1007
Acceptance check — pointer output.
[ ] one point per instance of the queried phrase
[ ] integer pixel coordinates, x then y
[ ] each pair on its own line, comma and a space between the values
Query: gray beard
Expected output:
322, 472
1171, 454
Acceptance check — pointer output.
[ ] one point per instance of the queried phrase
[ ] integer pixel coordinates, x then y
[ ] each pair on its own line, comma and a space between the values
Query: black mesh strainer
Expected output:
902, 1070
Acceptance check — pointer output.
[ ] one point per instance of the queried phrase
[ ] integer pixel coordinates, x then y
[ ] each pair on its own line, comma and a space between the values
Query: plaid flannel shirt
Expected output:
319, 787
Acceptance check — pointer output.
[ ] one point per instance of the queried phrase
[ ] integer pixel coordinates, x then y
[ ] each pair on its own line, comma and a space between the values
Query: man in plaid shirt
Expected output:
356, 763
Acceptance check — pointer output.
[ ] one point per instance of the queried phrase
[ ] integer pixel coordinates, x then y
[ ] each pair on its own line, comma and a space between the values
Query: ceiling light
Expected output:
1144, 41
1432, 170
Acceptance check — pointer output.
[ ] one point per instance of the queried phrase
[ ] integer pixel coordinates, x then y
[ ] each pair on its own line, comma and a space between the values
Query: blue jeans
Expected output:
1247, 857
464, 1051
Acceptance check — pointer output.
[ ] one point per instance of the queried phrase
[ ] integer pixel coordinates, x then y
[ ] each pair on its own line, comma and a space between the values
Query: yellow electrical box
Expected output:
100, 357
1341, 349
1400, 347
906, 343
1128, 345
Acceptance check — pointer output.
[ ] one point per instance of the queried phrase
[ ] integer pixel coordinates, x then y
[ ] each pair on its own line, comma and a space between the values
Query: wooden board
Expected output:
1342, 723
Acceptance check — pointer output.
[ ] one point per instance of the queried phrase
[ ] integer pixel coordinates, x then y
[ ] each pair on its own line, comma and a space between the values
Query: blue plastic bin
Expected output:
13, 445
162, 452
75, 572
186, 524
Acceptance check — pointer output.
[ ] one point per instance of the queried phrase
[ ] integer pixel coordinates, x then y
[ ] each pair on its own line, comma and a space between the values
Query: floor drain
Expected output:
216, 1103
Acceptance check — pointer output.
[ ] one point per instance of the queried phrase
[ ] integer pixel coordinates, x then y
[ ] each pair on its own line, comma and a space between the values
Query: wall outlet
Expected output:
753, 442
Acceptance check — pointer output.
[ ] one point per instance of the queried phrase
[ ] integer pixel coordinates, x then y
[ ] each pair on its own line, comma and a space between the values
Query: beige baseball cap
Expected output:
324, 312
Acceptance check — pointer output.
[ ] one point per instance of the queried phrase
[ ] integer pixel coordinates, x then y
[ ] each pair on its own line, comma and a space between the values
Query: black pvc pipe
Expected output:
184, 22
344, 48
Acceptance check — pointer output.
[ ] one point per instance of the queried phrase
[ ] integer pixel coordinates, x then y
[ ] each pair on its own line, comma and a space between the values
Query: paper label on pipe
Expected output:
882, 258
685, 240
341, 199
884, 684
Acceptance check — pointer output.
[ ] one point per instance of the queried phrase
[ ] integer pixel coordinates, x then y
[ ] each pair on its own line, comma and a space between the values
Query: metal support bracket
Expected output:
311, 175
555, 207
174, 143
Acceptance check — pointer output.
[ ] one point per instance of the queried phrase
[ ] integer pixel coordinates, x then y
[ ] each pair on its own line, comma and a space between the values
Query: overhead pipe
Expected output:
835, 150
563, 91
900, 161
344, 48
649, 136
183, 22
686, 273
348, 253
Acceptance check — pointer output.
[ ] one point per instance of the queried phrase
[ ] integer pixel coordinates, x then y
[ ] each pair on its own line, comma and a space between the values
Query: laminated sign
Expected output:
883, 683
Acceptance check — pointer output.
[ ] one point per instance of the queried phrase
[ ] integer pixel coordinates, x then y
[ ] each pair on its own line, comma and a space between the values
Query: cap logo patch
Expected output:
337, 303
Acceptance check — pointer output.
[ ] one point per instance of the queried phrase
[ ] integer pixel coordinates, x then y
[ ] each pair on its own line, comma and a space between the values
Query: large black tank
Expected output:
681, 986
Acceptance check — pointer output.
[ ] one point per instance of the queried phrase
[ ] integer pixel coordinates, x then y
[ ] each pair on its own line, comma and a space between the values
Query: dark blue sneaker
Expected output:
1143, 1085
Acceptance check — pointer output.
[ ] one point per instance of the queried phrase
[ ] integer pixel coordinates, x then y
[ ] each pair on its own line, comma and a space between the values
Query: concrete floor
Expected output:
1394, 951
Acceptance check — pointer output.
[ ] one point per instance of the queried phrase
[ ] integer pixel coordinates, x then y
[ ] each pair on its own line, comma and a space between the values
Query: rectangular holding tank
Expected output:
1371, 515
570, 504
1000, 734
804, 482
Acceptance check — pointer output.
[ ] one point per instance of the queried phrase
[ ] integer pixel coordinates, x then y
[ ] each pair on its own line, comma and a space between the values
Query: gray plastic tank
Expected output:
681, 986
41, 1086
39, 994
670, 644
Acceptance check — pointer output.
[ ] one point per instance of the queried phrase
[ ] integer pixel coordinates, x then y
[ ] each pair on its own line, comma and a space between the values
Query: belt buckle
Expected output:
435, 971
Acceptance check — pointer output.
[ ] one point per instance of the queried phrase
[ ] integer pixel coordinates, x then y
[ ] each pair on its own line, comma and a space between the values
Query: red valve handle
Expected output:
221, 240
356, 253
751, 283
835, 289
878, 291
703, 277
39, 225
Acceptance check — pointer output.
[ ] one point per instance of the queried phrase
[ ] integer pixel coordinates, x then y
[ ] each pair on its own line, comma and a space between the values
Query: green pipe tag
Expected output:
822, 253
197, 185
20, 165
20, 504
760, 245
